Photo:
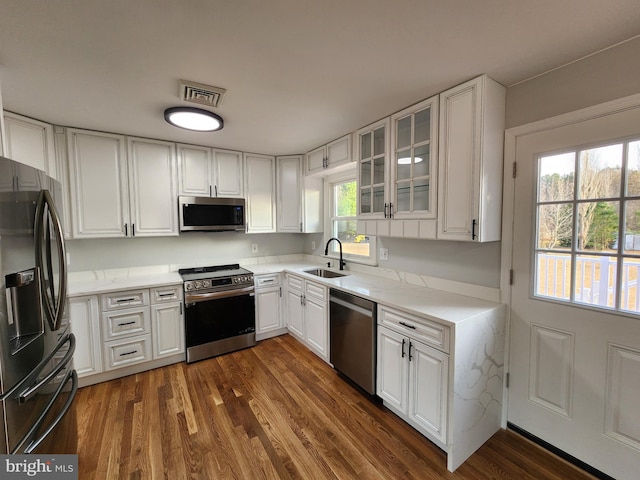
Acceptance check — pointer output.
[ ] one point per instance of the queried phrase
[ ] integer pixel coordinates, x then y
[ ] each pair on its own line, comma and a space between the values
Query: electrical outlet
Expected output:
254, 248
384, 254
313, 244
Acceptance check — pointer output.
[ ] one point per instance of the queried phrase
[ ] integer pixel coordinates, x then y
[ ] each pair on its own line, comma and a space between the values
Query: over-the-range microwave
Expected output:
212, 214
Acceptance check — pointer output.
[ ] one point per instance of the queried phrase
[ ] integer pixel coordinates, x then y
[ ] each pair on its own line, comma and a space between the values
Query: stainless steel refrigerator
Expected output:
37, 379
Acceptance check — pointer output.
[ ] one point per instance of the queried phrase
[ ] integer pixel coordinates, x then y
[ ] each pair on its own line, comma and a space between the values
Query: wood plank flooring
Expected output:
274, 411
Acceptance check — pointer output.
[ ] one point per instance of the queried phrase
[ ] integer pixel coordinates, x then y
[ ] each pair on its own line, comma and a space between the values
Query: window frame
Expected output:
329, 182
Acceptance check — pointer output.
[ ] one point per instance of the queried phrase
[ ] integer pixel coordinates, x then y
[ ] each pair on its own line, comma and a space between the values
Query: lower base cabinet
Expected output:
307, 314
269, 319
445, 380
139, 328
412, 380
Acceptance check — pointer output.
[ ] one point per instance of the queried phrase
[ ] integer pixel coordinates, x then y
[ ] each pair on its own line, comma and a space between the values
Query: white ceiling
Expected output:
298, 73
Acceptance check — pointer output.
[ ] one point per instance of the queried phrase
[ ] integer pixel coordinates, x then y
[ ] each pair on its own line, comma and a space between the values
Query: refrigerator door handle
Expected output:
28, 393
73, 376
47, 216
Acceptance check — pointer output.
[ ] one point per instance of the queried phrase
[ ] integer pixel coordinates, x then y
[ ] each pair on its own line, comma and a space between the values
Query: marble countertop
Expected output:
438, 305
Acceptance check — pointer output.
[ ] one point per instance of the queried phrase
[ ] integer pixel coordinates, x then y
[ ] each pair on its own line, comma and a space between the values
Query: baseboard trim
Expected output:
560, 453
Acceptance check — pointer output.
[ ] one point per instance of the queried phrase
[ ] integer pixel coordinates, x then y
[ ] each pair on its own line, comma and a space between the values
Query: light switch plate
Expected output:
254, 248
384, 254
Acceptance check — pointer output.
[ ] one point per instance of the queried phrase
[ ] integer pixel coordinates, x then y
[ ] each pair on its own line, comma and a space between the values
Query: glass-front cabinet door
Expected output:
372, 150
414, 153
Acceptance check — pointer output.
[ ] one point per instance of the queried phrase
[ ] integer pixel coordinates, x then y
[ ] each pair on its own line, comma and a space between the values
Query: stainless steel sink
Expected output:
321, 272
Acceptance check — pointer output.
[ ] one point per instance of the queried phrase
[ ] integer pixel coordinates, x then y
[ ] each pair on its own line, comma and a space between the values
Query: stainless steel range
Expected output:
219, 310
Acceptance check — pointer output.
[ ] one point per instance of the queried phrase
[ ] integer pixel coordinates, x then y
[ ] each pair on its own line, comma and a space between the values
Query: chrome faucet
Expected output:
326, 251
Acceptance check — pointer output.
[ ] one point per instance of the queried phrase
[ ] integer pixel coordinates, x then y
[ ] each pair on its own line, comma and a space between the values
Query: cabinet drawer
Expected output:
422, 329
316, 291
125, 299
170, 293
295, 283
124, 323
270, 280
121, 353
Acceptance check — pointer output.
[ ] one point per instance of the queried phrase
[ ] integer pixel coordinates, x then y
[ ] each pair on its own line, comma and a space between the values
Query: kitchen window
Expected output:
342, 197
587, 245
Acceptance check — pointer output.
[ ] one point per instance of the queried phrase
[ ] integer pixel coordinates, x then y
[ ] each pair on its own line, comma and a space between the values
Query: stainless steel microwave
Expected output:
212, 214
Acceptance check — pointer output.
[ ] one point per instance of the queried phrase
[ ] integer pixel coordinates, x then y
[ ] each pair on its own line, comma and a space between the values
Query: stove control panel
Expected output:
218, 283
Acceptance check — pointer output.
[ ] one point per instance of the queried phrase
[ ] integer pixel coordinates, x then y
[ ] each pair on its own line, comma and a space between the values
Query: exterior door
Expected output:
575, 323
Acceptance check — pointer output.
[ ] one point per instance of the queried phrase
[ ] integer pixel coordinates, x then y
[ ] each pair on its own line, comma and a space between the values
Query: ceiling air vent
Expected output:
202, 94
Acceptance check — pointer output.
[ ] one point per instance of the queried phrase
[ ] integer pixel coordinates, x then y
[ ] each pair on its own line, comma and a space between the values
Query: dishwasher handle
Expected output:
352, 306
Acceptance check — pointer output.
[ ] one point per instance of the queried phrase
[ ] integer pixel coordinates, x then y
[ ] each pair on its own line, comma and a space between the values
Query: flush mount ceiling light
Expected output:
194, 119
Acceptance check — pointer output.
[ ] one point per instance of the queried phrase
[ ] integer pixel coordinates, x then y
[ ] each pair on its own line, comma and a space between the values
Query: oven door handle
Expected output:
203, 297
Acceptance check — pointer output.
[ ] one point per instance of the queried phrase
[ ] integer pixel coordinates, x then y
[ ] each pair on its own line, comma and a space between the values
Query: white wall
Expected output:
187, 250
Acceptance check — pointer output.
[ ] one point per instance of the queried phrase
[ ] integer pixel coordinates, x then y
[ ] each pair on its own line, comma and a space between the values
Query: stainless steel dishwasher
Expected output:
352, 324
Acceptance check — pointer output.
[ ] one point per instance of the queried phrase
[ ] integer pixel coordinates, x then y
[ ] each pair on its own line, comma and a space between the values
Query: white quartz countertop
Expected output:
438, 305
435, 304
105, 281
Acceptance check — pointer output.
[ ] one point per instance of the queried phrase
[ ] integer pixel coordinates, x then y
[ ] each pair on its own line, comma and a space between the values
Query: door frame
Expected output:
511, 136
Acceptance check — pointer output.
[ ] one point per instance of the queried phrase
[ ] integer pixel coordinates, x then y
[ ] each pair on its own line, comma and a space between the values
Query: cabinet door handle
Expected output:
473, 229
300, 226
126, 230
133, 229
125, 323
280, 292
385, 210
410, 345
210, 191
407, 325
215, 189
128, 353
390, 210
403, 342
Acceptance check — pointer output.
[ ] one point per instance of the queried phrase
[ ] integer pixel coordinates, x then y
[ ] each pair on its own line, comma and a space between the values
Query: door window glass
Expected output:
587, 246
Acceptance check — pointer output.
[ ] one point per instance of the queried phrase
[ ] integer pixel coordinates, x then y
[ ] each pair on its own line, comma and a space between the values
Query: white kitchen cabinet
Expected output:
98, 184
308, 314
152, 187
327, 158
269, 320
372, 154
412, 380
30, 142
413, 167
299, 205
84, 317
168, 329
209, 172
260, 190
470, 160
121, 186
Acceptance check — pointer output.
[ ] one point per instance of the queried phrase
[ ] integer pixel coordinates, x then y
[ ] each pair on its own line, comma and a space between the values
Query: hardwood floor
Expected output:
274, 411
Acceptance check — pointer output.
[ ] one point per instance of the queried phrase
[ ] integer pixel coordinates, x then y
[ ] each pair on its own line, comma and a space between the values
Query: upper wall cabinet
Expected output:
121, 187
299, 205
152, 187
470, 161
326, 159
260, 189
371, 151
414, 146
207, 172
30, 142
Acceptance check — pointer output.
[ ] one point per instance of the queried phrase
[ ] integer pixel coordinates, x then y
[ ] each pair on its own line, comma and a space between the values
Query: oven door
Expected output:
218, 316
